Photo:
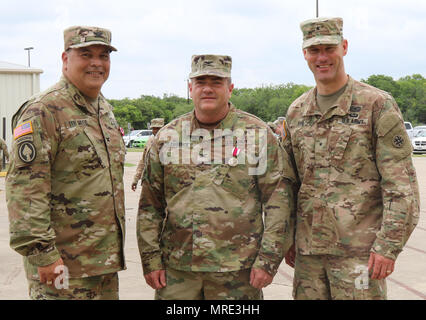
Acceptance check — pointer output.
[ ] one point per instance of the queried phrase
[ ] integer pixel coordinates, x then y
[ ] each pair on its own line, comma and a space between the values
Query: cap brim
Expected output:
219, 74
334, 40
92, 43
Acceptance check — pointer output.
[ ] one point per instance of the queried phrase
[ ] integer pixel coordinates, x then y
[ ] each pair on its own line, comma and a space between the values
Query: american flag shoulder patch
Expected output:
23, 129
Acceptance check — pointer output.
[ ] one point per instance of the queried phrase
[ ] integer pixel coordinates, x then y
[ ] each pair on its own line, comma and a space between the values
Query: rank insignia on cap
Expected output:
23, 129
398, 141
27, 152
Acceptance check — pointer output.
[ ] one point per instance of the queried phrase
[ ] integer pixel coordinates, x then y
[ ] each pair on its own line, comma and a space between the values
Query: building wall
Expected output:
15, 88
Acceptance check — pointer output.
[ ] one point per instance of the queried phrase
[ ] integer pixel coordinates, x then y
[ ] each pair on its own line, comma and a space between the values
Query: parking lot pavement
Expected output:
408, 282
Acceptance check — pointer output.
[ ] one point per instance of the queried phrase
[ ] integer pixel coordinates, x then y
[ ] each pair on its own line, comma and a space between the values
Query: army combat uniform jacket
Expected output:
359, 190
208, 216
3, 146
65, 191
141, 164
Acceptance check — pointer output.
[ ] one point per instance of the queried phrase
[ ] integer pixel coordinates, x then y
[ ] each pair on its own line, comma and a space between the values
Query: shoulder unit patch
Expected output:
398, 141
27, 152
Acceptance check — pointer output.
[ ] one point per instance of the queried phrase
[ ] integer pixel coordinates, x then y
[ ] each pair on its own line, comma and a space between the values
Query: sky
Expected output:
156, 39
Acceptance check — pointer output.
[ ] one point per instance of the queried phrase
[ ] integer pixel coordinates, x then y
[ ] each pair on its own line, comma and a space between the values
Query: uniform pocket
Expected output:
78, 152
338, 141
235, 180
178, 177
98, 148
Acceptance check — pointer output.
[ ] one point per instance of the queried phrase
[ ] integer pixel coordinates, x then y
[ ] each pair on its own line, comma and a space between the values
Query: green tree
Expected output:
269, 102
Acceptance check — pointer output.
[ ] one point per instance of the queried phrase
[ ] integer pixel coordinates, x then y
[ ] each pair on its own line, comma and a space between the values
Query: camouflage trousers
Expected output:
104, 287
186, 285
326, 277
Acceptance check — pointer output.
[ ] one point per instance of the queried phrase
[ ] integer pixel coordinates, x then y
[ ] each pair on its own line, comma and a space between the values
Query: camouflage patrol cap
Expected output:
210, 65
322, 31
157, 123
272, 125
81, 36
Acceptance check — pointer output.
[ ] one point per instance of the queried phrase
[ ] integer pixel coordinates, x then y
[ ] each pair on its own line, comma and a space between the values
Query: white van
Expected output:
409, 129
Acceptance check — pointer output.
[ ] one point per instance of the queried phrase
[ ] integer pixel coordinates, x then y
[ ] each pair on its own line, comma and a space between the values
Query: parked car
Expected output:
409, 128
417, 132
139, 141
130, 136
419, 142
417, 129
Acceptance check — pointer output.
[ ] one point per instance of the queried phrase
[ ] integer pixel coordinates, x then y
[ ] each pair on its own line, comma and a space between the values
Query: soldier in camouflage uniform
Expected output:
65, 191
199, 228
359, 199
3, 146
156, 124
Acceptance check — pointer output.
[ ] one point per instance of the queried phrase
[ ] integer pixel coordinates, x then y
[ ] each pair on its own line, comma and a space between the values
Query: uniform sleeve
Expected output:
151, 213
400, 191
140, 168
289, 157
28, 186
4, 148
277, 188
141, 164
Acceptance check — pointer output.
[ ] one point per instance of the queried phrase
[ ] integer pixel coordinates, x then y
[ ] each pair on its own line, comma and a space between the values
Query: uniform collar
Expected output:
79, 99
226, 122
341, 107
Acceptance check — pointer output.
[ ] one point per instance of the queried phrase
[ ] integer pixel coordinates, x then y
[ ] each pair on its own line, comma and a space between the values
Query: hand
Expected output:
290, 256
380, 266
260, 278
156, 279
134, 185
47, 273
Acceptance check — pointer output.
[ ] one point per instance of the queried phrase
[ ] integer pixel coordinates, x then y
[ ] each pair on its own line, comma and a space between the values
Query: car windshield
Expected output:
421, 134
407, 126
134, 132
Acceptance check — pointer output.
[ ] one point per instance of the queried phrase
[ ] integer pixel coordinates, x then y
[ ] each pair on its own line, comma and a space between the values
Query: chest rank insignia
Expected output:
398, 141
27, 152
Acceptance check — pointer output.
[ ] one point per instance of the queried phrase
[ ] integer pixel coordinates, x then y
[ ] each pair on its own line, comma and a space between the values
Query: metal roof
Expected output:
7, 67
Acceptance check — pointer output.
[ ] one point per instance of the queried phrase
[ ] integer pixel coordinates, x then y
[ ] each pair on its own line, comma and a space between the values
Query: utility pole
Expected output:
3, 161
28, 49
317, 8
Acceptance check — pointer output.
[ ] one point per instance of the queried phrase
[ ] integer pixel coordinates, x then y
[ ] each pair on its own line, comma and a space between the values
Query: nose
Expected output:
96, 61
207, 88
322, 55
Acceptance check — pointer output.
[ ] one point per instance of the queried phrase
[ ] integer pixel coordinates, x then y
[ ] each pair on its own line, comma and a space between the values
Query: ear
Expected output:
190, 88
64, 60
345, 46
304, 53
230, 88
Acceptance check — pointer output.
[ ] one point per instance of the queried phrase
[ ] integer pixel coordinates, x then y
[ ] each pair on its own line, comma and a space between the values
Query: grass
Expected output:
134, 149
129, 165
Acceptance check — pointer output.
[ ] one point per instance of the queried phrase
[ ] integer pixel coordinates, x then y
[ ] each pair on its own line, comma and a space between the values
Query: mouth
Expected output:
95, 73
324, 66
